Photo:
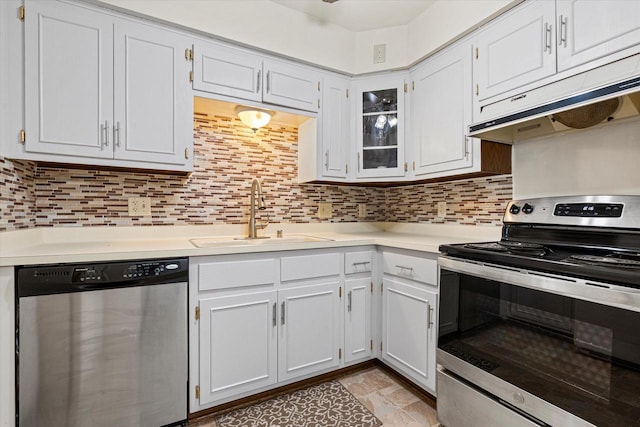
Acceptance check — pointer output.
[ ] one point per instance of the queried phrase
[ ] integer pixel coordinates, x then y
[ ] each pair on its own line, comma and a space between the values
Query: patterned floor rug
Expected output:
326, 404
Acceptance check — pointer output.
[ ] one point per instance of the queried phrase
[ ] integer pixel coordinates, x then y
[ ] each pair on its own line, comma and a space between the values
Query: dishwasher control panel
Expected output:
58, 278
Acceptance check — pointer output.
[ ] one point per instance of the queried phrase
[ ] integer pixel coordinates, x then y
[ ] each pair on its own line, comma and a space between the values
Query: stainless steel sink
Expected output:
227, 241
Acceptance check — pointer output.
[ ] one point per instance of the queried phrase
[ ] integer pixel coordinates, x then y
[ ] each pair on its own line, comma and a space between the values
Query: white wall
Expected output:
446, 20
603, 160
270, 26
259, 23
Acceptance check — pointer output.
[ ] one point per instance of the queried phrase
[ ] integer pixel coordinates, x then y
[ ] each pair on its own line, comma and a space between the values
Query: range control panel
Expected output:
607, 210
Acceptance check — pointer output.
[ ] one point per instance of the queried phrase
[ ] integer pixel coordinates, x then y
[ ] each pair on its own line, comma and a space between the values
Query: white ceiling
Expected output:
360, 15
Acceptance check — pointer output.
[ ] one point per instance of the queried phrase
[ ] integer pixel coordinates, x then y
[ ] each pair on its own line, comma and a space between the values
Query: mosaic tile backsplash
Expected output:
228, 156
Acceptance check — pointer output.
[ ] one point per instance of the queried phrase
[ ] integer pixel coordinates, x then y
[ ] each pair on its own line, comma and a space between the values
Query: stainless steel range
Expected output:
542, 327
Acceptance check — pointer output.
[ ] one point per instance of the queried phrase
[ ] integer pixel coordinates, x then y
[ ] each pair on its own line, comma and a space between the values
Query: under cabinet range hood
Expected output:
602, 95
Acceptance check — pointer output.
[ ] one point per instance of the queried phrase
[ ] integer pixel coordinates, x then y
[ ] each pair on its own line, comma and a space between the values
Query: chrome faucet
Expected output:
255, 187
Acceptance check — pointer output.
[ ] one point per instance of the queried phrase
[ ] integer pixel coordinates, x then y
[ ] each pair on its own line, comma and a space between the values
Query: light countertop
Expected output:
49, 245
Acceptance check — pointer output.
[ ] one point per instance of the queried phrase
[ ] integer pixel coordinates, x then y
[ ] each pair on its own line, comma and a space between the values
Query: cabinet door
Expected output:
227, 71
334, 132
238, 344
310, 322
441, 110
357, 321
153, 95
408, 331
291, 86
380, 129
68, 80
517, 49
588, 30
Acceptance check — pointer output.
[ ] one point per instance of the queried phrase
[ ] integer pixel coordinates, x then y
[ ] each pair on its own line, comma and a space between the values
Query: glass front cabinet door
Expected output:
380, 128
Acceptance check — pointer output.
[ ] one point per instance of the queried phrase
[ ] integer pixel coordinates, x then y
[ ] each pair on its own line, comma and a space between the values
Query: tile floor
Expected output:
390, 401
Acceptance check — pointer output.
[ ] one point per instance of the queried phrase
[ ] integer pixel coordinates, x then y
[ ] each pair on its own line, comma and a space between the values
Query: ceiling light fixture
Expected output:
329, 1
255, 118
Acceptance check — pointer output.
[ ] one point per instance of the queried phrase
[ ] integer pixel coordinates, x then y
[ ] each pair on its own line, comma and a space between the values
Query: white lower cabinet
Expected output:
408, 331
238, 344
357, 320
309, 338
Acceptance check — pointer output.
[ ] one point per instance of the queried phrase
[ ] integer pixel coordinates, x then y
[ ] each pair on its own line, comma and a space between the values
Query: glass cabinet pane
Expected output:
380, 158
380, 130
376, 101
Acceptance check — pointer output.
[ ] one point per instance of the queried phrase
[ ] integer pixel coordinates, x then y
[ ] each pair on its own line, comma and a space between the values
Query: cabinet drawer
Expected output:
411, 267
358, 262
309, 266
233, 274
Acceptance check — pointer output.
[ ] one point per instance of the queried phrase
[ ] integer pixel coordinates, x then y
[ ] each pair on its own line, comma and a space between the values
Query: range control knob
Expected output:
527, 208
514, 209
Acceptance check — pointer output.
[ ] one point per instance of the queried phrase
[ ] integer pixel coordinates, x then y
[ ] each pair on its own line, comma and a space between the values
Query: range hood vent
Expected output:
577, 102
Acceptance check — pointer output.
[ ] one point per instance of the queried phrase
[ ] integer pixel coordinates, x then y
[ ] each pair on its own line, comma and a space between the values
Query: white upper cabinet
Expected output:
243, 74
105, 91
440, 112
227, 71
334, 131
516, 49
380, 116
291, 86
68, 80
153, 104
588, 30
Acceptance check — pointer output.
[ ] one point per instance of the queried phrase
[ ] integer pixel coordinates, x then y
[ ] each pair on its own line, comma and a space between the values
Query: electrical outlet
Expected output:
325, 210
362, 210
139, 206
379, 53
442, 209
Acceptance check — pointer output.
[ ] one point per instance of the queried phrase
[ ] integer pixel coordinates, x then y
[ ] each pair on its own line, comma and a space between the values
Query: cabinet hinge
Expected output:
347, 93
406, 88
380, 346
186, 153
371, 345
197, 313
477, 89
190, 76
346, 168
339, 353
476, 53
318, 103
381, 285
21, 13
413, 165
197, 392
318, 86
413, 85
23, 136
340, 292
406, 166
371, 287
188, 54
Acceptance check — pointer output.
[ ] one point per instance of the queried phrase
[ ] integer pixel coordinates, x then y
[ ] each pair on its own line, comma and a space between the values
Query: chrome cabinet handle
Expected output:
259, 82
547, 37
326, 160
104, 133
268, 84
361, 263
563, 29
116, 134
282, 313
275, 308
404, 267
430, 322
466, 148
349, 302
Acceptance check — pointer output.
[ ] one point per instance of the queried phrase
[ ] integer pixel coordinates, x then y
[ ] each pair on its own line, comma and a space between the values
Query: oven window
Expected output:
580, 356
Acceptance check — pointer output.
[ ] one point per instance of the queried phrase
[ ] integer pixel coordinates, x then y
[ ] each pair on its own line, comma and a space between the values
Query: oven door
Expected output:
558, 350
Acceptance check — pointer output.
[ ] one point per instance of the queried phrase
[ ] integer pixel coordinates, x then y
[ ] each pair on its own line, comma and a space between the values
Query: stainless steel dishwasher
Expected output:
102, 344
